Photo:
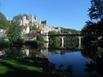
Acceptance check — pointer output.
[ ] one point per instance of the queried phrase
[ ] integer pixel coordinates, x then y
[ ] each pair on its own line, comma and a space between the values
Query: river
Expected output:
71, 61
74, 61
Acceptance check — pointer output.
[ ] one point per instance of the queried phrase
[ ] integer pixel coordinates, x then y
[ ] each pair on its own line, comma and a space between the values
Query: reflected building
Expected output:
45, 53
2, 53
42, 53
26, 52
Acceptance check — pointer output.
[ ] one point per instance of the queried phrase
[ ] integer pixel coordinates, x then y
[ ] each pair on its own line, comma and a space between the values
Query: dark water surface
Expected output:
73, 61
69, 61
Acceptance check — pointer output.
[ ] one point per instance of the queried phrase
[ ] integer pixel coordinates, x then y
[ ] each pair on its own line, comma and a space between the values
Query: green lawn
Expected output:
7, 64
22, 66
16, 68
4, 69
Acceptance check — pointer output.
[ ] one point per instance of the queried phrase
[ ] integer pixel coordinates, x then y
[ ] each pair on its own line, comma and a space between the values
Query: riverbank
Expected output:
16, 68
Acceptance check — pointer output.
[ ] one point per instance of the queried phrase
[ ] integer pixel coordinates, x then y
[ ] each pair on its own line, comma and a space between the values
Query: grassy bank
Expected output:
15, 68
10, 65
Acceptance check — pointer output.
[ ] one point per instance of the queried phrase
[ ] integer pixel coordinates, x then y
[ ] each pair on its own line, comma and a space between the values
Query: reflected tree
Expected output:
13, 52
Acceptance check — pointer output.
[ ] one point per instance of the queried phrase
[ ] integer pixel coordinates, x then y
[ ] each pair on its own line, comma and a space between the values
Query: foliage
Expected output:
13, 52
4, 43
17, 19
64, 30
40, 41
96, 10
96, 28
31, 43
23, 66
6, 64
93, 27
54, 42
14, 33
4, 23
34, 27
4, 69
71, 42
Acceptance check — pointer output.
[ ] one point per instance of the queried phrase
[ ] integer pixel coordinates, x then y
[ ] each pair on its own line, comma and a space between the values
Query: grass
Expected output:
4, 69
5, 66
22, 66
15, 68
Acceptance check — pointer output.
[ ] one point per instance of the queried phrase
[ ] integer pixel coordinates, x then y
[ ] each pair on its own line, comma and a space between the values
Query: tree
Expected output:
36, 26
40, 41
71, 42
54, 41
14, 34
4, 23
92, 28
96, 10
17, 19
13, 52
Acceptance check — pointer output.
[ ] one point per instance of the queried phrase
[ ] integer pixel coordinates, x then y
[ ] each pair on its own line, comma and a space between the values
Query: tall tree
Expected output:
4, 23
14, 34
96, 10
95, 13
54, 42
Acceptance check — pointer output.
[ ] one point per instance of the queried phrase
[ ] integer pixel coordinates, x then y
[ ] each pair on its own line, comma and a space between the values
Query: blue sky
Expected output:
62, 13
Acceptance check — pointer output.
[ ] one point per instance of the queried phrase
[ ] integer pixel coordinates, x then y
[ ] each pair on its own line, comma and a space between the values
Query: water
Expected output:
72, 60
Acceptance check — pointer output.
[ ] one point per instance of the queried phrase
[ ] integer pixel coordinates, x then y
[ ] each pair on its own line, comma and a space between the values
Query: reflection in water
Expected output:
2, 52
68, 61
13, 52
93, 48
75, 60
26, 52
43, 53
29, 52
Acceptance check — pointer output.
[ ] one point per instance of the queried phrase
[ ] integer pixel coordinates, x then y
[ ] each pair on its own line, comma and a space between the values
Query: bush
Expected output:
4, 43
35, 44
13, 52
18, 43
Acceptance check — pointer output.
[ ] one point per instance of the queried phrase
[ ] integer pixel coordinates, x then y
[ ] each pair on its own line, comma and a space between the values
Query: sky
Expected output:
61, 13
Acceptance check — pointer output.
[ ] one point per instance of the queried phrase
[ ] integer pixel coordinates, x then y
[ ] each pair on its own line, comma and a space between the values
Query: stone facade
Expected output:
28, 21
2, 33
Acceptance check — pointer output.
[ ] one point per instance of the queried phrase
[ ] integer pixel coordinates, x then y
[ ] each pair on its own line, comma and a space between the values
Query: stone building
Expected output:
28, 21
2, 33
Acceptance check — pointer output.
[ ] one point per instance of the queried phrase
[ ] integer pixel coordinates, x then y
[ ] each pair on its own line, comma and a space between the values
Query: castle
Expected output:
27, 22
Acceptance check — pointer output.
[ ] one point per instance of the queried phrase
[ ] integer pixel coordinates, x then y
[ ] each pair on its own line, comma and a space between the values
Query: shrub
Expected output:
4, 43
